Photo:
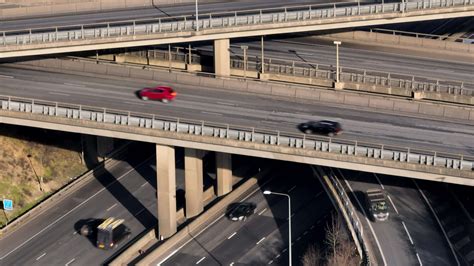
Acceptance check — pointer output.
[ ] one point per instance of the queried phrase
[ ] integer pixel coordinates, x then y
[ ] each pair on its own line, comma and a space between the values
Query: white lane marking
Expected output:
140, 211
209, 225
277, 256
260, 241
408, 233
74, 233
439, 222
305, 233
468, 215
419, 260
59, 93
232, 263
7, 77
230, 104
73, 209
72, 84
312, 227
110, 208
262, 211
289, 190
199, 261
283, 251
42, 255
69, 262
211, 113
378, 180
270, 262
298, 239
390, 199
144, 184
365, 216
232, 235
134, 103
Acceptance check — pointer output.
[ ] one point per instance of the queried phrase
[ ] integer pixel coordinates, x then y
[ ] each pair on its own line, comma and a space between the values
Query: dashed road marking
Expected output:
110, 208
419, 260
305, 233
298, 239
378, 180
211, 113
199, 261
260, 241
42, 255
289, 190
58, 93
8, 77
408, 233
144, 184
72, 84
277, 256
69, 262
270, 262
390, 199
232, 235
223, 103
262, 211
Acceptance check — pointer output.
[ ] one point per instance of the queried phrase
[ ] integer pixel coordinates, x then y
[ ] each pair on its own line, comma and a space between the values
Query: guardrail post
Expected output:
4, 39
103, 116
177, 125
108, 29
32, 105
80, 110
56, 33
278, 138
31, 41
286, 15
310, 12
153, 122
133, 27
235, 19
82, 32
334, 10
128, 119
227, 132
252, 137
55, 109
202, 128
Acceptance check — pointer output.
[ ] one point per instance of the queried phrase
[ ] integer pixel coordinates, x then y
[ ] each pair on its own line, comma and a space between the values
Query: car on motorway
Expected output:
240, 211
377, 204
324, 127
160, 93
107, 233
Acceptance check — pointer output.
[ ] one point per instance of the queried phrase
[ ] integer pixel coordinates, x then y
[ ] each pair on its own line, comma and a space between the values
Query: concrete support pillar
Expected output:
222, 57
104, 146
224, 173
193, 175
166, 190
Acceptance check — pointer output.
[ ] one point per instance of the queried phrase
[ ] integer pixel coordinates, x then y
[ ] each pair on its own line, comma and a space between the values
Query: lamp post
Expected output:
268, 192
245, 47
337, 43
34, 171
197, 15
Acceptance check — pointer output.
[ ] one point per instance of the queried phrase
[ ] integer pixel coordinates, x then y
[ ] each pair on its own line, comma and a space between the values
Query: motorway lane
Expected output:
51, 238
151, 12
224, 106
411, 235
263, 237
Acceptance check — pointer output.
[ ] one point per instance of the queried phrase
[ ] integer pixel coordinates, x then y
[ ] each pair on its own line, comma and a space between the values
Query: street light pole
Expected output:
34, 171
263, 58
197, 15
337, 43
268, 192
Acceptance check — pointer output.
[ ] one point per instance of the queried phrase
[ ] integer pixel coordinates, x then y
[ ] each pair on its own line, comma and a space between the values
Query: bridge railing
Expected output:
113, 29
457, 162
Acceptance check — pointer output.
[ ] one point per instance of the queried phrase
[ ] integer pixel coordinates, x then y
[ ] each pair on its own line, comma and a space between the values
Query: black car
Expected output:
324, 127
240, 211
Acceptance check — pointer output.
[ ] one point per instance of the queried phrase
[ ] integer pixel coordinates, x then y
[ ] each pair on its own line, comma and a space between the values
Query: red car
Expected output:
162, 93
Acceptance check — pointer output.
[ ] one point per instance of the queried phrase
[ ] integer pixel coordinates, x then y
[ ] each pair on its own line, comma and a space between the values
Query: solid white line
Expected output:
260, 241
289, 190
73, 209
115, 204
378, 180
390, 199
439, 222
419, 260
210, 224
262, 211
210, 113
8, 77
230, 104
69, 262
232, 235
365, 216
199, 261
42, 255
72, 84
408, 233
58, 93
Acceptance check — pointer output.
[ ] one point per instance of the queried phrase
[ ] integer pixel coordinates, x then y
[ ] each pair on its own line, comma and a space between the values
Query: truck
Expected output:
377, 204
107, 232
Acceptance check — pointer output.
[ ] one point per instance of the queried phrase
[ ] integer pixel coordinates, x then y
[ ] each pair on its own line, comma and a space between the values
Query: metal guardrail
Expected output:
407, 155
322, 71
441, 38
188, 23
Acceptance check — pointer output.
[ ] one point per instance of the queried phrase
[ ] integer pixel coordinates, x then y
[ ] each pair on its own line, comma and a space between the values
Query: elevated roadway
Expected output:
219, 26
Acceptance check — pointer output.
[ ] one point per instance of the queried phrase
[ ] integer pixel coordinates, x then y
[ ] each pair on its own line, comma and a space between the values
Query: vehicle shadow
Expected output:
88, 228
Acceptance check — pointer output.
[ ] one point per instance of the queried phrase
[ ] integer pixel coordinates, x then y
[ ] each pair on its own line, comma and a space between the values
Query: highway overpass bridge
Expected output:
225, 139
220, 27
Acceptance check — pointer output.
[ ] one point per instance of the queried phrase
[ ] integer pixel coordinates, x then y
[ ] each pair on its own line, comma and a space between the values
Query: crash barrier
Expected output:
271, 16
457, 164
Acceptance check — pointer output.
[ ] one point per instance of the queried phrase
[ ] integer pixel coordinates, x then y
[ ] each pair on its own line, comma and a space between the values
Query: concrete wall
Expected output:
288, 91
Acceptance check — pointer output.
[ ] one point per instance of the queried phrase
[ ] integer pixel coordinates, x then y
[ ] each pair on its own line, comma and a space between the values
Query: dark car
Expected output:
324, 127
161, 93
240, 211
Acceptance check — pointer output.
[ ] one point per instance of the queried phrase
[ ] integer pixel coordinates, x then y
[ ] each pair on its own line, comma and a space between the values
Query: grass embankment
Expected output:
34, 163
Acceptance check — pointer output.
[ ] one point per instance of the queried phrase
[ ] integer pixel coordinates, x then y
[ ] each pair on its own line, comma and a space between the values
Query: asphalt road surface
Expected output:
227, 107
263, 237
412, 234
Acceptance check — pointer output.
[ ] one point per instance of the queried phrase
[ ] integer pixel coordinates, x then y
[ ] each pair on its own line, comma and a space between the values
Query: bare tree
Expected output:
334, 234
341, 250
312, 257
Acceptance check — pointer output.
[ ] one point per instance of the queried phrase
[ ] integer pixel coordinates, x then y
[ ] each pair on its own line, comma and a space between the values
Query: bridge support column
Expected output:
222, 57
166, 190
193, 175
224, 173
104, 146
